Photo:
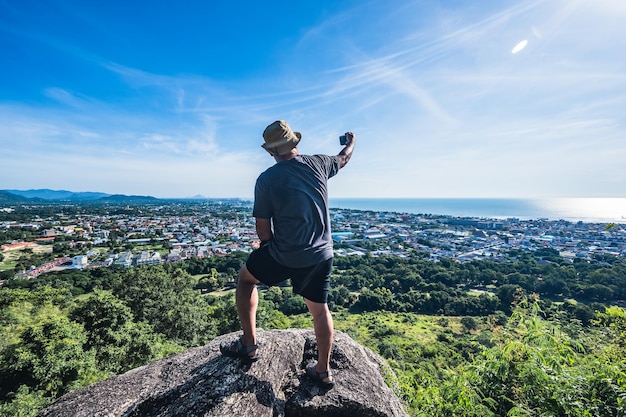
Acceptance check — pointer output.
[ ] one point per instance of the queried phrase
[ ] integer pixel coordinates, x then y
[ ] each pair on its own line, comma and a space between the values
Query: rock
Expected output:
201, 382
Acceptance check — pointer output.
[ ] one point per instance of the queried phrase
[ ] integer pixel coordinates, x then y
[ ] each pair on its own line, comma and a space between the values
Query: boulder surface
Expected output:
201, 382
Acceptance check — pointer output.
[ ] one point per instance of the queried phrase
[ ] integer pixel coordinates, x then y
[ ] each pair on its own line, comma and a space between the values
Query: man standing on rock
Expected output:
293, 223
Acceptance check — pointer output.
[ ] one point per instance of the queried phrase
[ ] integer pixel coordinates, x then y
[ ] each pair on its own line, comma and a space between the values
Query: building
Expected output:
125, 259
146, 258
80, 261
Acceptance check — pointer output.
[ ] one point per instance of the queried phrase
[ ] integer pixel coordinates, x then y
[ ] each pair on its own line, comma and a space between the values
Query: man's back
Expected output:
293, 193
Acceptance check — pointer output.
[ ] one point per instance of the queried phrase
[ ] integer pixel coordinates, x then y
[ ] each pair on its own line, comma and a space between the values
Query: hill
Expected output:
64, 195
47, 194
8, 197
120, 198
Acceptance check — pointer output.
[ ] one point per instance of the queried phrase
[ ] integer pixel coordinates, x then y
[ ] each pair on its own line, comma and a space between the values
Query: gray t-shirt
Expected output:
294, 194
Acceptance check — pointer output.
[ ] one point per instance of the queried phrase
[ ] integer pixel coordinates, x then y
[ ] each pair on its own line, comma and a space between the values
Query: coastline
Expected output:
587, 210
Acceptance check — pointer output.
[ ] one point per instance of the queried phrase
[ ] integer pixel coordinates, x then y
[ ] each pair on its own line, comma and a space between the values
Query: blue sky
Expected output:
170, 99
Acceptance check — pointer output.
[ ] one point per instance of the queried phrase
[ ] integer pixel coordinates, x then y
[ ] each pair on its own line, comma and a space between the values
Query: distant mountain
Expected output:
64, 195
58, 195
8, 197
118, 198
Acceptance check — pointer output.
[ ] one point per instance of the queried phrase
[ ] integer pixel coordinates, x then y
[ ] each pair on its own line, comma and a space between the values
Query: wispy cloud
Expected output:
440, 105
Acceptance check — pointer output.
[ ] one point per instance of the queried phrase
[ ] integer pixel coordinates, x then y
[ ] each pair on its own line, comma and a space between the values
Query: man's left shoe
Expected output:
236, 349
319, 377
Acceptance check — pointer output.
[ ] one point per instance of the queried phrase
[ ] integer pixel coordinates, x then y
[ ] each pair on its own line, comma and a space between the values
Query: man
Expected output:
293, 224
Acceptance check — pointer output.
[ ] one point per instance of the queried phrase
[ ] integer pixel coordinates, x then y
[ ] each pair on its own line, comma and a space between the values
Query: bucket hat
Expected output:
279, 138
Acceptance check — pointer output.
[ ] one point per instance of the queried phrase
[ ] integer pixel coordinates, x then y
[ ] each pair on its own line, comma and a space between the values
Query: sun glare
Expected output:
519, 46
588, 209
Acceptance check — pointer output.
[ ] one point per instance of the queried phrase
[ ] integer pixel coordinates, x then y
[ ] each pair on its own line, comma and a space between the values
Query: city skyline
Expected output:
447, 99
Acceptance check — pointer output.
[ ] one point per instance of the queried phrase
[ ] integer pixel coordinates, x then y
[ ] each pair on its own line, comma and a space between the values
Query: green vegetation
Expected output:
527, 338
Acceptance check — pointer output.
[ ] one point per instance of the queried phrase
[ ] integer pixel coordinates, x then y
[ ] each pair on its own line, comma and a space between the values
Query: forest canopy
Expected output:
474, 339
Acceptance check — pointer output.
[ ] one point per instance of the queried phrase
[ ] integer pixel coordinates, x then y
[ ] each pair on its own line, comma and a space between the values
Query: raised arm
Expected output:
345, 154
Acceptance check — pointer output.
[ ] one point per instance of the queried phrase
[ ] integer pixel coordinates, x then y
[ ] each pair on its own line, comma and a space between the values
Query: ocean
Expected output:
588, 210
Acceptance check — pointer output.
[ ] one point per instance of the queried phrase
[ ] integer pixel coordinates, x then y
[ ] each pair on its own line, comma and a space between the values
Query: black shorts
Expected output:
313, 282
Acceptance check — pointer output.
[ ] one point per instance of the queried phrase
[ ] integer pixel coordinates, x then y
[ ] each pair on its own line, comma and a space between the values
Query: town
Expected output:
84, 236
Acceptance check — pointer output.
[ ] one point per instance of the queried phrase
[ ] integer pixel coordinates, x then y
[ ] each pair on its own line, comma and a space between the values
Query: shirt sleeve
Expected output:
262, 199
334, 166
329, 164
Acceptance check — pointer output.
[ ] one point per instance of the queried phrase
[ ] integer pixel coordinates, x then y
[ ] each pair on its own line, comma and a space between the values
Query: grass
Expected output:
478, 293
400, 329
409, 332
12, 256
7, 265
10, 259
222, 292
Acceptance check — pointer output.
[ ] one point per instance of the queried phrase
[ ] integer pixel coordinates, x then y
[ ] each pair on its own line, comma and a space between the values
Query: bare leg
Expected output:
323, 326
247, 298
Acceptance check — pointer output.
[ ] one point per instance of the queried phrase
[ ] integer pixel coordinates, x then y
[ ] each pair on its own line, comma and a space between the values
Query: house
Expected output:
373, 234
80, 261
145, 258
125, 259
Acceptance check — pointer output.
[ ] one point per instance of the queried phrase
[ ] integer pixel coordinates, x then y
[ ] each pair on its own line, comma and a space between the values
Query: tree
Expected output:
60, 248
614, 318
469, 323
211, 282
293, 305
6, 275
48, 357
537, 369
167, 302
340, 296
509, 294
553, 287
598, 292
378, 299
24, 403
119, 343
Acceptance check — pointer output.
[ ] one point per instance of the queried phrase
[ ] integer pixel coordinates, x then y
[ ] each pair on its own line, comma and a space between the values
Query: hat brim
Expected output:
283, 146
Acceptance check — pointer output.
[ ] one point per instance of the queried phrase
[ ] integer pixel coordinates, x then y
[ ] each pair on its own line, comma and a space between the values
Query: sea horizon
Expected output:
587, 210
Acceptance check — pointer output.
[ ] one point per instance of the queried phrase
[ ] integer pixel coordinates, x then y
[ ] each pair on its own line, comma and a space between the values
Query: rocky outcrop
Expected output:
201, 382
